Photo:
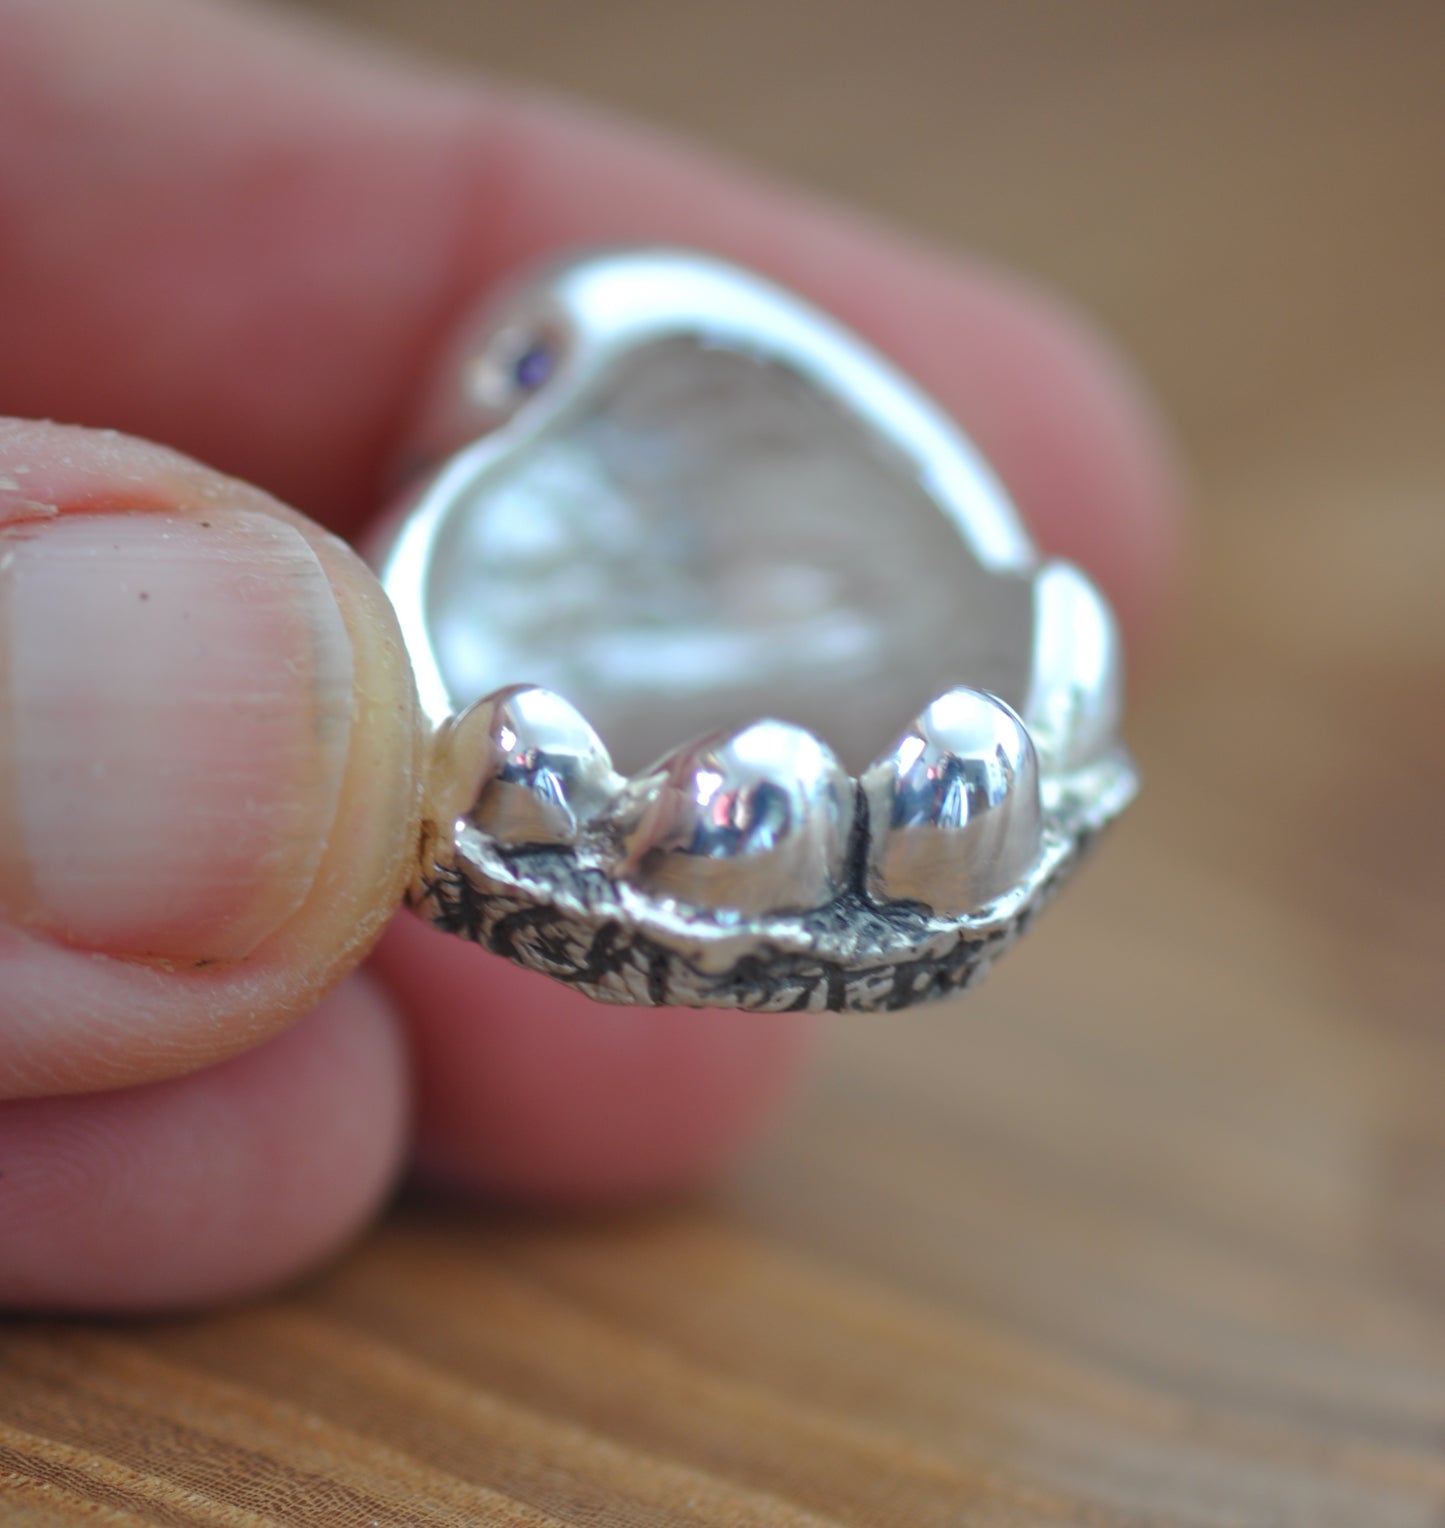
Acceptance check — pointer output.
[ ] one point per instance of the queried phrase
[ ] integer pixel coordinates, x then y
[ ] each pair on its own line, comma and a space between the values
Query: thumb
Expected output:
209, 761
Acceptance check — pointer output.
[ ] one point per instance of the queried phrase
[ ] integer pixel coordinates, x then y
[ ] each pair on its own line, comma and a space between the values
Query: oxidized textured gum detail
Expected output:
554, 913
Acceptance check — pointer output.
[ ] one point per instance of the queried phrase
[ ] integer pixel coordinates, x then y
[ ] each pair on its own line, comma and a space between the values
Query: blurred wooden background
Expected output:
1152, 1232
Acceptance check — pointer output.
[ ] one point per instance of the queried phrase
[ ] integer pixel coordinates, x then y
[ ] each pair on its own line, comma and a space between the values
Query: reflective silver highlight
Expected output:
757, 821
539, 771
954, 813
1076, 689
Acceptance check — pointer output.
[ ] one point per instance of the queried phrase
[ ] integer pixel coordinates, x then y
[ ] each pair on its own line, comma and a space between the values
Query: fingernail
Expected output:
175, 711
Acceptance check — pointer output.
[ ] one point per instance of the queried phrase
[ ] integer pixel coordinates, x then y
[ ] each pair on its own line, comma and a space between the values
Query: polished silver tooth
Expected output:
754, 821
1076, 689
953, 807
529, 768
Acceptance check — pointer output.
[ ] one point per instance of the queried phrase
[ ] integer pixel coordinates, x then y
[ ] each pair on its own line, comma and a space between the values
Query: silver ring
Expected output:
857, 732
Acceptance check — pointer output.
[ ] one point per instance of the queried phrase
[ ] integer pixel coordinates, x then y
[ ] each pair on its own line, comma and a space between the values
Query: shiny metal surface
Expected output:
954, 813
685, 500
537, 770
1075, 696
757, 821
716, 507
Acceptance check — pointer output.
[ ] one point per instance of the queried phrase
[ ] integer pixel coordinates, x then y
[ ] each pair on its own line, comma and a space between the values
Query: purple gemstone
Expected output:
534, 366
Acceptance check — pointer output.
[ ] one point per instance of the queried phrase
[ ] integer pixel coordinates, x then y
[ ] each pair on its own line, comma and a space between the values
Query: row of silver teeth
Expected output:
761, 820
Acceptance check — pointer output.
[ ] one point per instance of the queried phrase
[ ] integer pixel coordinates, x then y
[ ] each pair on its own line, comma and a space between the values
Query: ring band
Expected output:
677, 503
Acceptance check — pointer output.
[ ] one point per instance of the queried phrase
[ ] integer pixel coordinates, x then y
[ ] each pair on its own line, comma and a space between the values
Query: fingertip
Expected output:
528, 1091
210, 753
208, 1187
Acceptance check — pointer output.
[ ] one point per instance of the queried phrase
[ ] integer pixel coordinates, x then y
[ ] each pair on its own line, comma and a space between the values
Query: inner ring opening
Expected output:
703, 539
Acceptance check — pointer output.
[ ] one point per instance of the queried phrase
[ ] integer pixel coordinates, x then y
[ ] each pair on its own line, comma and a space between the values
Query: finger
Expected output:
527, 1090
208, 762
207, 1187
274, 229
435, 189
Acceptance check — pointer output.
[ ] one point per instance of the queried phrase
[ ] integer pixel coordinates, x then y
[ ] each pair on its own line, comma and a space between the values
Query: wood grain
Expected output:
1153, 1230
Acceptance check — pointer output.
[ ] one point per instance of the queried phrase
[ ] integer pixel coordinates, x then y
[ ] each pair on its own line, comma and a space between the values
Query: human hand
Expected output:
231, 233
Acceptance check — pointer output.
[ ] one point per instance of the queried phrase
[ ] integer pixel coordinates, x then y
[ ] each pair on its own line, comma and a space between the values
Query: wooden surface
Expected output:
1153, 1231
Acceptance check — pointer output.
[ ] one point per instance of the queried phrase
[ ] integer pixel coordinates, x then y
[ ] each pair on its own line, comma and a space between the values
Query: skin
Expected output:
253, 241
